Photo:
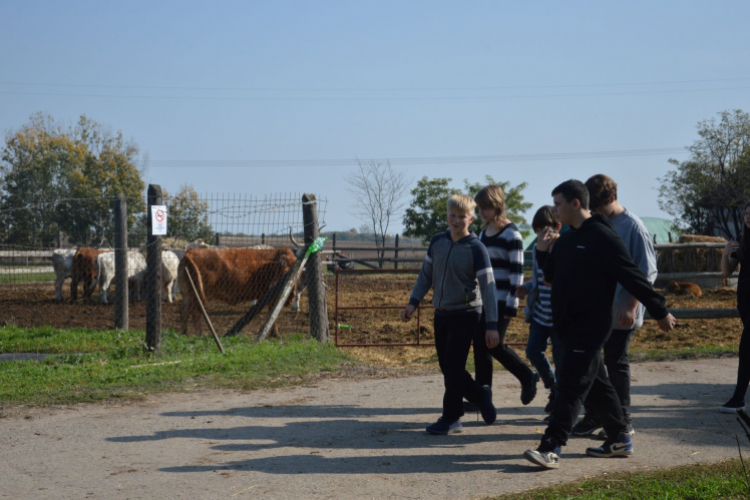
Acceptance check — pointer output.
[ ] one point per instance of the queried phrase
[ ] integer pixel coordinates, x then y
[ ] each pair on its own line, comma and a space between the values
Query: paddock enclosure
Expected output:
364, 287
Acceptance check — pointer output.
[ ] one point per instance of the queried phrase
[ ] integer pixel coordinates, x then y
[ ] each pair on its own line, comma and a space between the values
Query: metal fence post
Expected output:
153, 277
121, 262
316, 294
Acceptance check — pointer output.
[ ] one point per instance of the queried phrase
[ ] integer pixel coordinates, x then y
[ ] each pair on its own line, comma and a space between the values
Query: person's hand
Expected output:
492, 338
626, 316
521, 292
731, 247
667, 322
407, 312
546, 240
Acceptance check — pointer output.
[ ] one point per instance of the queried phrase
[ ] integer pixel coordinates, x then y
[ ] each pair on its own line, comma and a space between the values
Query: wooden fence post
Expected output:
120, 206
316, 294
153, 277
395, 255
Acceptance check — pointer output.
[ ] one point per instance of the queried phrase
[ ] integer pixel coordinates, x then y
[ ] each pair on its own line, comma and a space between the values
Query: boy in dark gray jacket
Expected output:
458, 269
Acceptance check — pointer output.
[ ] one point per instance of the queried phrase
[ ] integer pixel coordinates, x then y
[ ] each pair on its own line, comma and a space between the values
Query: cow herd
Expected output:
228, 275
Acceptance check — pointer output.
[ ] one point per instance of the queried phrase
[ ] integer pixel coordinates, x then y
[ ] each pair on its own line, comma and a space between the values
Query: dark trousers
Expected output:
504, 354
743, 370
618, 367
453, 336
581, 373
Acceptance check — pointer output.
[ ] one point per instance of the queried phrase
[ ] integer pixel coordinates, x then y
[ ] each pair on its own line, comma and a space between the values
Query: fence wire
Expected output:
241, 246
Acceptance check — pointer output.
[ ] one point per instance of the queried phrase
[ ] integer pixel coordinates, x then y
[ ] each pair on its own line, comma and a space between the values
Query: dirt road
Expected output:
343, 439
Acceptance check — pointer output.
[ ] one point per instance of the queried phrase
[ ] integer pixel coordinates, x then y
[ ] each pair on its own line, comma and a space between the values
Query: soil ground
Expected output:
356, 438
33, 305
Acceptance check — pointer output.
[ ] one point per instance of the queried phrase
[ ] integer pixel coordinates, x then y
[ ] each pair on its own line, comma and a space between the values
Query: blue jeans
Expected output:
535, 348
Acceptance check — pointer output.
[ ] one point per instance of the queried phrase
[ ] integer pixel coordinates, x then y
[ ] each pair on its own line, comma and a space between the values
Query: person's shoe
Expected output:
443, 427
470, 407
629, 432
732, 406
528, 390
547, 455
550, 401
622, 446
586, 426
486, 408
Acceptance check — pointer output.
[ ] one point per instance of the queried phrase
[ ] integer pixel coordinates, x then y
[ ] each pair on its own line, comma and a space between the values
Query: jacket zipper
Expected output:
445, 270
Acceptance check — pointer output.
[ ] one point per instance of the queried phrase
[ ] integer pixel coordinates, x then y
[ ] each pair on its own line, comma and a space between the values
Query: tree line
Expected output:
62, 179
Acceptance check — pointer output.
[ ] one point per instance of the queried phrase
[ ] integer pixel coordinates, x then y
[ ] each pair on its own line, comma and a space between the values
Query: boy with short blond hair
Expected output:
458, 269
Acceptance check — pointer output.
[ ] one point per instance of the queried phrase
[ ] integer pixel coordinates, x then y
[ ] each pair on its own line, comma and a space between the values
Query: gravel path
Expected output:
344, 439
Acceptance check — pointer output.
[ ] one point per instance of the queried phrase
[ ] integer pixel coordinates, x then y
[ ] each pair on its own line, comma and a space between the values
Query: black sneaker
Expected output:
622, 446
528, 390
470, 407
443, 427
489, 414
547, 455
550, 401
732, 406
587, 426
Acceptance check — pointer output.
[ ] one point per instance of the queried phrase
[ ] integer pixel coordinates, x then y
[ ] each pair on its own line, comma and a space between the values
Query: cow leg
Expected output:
58, 288
186, 302
168, 291
73, 290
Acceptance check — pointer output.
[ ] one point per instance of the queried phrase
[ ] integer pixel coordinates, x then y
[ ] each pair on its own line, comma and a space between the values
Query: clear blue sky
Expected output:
309, 80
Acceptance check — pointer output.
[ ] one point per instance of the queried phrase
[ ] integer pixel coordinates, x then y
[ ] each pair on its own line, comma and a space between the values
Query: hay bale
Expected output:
699, 238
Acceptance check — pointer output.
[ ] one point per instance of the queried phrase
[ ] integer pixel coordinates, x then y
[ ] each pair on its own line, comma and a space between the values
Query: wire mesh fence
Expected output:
234, 247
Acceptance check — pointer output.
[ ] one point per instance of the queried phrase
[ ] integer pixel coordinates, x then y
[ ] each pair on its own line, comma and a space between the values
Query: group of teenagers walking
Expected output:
588, 293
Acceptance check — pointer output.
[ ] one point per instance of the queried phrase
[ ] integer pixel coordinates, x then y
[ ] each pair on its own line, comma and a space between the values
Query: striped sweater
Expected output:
506, 256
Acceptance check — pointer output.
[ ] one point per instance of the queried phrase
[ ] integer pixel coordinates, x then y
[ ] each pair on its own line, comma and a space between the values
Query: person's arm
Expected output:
422, 285
628, 274
486, 279
729, 263
515, 275
643, 254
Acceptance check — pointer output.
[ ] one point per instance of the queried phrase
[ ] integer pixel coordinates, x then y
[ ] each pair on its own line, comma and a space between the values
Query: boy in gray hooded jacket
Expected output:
458, 269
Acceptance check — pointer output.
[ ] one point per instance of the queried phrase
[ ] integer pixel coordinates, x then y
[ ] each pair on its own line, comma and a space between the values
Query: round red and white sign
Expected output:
159, 216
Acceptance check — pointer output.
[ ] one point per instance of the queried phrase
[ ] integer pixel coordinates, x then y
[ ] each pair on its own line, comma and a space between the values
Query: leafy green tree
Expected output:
708, 192
428, 213
64, 179
188, 216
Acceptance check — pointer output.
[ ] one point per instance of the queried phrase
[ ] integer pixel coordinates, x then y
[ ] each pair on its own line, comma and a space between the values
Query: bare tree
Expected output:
380, 191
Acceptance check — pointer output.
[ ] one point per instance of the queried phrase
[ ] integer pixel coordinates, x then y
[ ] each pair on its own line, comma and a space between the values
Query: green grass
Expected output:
26, 278
100, 366
702, 352
701, 481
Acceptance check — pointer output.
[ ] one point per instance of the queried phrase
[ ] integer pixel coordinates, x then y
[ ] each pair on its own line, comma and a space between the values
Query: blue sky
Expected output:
320, 80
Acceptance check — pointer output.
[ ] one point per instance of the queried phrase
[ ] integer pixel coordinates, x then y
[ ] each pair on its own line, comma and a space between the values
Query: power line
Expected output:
435, 98
369, 89
414, 160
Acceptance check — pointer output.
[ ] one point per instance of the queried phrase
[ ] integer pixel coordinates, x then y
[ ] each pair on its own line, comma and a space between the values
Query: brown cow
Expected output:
230, 275
684, 289
84, 270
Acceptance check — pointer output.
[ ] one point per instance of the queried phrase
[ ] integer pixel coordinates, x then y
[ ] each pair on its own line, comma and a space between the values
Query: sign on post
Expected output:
158, 220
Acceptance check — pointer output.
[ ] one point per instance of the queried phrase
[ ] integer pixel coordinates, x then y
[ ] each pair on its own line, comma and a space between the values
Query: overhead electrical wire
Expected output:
391, 98
369, 89
432, 160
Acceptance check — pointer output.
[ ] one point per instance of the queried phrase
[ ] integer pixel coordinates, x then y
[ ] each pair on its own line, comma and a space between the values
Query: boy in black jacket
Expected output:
585, 267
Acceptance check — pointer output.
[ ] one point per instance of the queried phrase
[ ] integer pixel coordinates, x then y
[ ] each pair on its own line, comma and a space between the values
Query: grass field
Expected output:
26, 278
695, 482
105, 365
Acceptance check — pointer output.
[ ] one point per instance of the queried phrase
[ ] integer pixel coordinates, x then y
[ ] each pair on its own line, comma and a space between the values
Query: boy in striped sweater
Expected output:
505, 247
538, 311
